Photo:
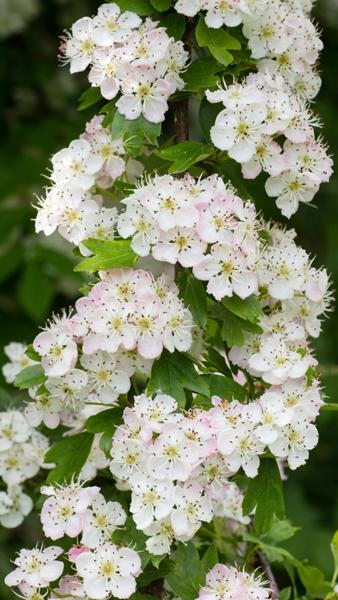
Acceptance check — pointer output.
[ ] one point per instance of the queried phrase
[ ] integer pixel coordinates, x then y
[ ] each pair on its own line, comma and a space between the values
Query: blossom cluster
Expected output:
127, 57
282, 37
102, 568
256, 112
72, 204
224, 582
177, 464
22, 451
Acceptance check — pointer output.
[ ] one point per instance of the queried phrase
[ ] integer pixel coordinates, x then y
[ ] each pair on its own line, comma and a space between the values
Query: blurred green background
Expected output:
38, 117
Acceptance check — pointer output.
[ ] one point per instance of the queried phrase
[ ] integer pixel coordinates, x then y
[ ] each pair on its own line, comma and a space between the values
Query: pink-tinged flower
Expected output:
311, 159
63, 512
108, 71
282, 269
148, 329
267, 35
75, 551
138, 223
144, 94
267, 158
154, 411
146, 48
171, 455
181, 245
80, 45
227, 271
56, 347
105, 377
294, 442
101, 520
36, 567
222, 13
241, 448
224, 582
109, 570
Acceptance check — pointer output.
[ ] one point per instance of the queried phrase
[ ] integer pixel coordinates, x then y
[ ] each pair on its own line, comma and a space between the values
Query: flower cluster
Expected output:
22, 450
177, 476
224, 582
127, 57
72, 204
177, 465
281, 37
256, 112
102, 568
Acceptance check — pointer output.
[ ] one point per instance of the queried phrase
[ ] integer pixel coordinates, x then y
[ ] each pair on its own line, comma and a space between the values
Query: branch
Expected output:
181, 108
268, 574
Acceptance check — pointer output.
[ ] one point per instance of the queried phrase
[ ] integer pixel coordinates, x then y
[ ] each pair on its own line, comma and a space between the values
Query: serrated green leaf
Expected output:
174, 24
313, 580
285, 593
187, 575
142, 8
107, 420
69, 455
152, 573
89, 97
265, 494
29, 377
232, 326
209, 559
109, 254
281, 530
173, 373
135, 132
193, 293
184, 155
219, 42
249, 308
202, 73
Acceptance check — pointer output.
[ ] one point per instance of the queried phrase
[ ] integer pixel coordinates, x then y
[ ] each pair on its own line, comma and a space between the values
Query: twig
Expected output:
268, 574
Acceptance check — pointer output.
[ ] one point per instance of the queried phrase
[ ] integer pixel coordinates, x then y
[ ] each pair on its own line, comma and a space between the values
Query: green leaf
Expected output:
285, 593
210, 559
226, 388
329, 406
194, 296
10, 261
142, 8
219, 41
207, 116
249, 309
174, 24
334, 549
135, 132
109, 254
313, 580
202, 73
89, 97
30, 352
161, 5
265, 493
130, 536
35, 292
29, 377
281, 531
107, 420
187, 575
152, 573
232, 326
172, 374
184, 155
70, 454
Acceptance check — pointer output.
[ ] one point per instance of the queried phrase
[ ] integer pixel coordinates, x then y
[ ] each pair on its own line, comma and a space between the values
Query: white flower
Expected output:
13, 429
154, 411
171, 455
144, 94
267, 34
111, 26
76, 165
150, 499
222, 13
44, 409
161, 535
79, 47
109, 570
14, 506
276, 361
101, 520
267, 158
105, 378
138, 223
15, 351
241, 448
294, 442
96, 460
36, 567
57, 348
69, 389
192, 507
291, 188
181, 245
227, 271
282, 270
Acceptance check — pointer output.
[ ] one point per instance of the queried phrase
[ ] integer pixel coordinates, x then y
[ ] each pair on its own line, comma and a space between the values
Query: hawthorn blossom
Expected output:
109, 570
111, 26
79, 47
101, 520
223, 582
192, 507
144, 94
16, 352
14, 429
15, 505
294, 442
37, 567
76, 165
56, 347
151, 500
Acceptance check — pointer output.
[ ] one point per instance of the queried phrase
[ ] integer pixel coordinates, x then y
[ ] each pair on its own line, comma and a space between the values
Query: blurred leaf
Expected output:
161, 5
281, 531
202, 73
142, 8
207, 116
265, 494
334, 549
30, 352
209, 559
70, 454
313, 580
89, 97
10, 261
29, 377
107, 420
35, 292
174, 24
